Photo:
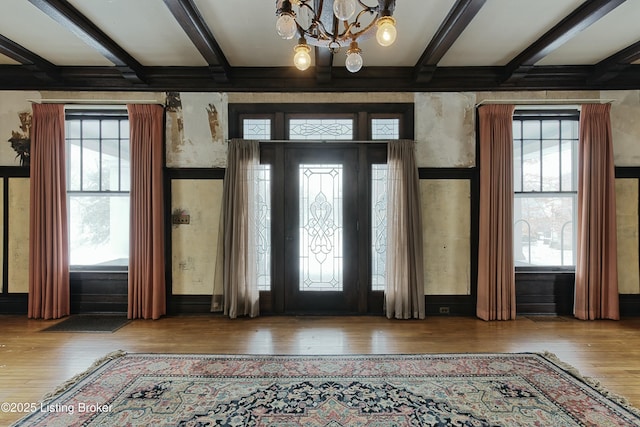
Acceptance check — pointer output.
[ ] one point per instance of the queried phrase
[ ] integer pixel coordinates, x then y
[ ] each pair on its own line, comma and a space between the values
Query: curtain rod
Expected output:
95, 101
545, 101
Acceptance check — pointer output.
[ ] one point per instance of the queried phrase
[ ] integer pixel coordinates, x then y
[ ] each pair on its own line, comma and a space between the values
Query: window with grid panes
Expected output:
545, 145
98, 184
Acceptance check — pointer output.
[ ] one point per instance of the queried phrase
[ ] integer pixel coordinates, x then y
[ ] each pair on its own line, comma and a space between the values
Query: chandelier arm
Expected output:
349, 34
369, 8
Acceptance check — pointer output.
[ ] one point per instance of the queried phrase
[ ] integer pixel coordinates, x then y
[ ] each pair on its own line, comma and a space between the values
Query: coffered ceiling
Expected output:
232, 45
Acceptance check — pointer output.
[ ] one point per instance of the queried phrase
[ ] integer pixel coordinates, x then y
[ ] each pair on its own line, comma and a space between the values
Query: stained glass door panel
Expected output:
320, 227
321, 231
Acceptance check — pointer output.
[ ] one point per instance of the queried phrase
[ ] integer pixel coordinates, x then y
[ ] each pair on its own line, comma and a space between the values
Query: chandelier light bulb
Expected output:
286, 26
344, 9
302, 59
354, 59
387, 32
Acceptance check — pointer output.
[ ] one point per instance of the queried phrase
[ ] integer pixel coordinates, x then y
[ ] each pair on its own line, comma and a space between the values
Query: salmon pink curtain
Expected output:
147, 291
596, 293
404, 290
496, 273
49, 239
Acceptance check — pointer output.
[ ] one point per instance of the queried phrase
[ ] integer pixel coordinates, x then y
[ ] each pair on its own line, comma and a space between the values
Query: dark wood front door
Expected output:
321, 230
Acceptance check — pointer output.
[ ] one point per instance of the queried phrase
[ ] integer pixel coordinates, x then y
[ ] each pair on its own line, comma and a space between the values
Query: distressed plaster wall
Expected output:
12, 103
197, 129
446, 219
625, 126
627, 223
445, 130
18, 255
194, 245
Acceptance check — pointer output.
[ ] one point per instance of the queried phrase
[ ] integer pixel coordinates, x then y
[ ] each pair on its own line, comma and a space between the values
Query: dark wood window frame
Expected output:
545, 289
98, 288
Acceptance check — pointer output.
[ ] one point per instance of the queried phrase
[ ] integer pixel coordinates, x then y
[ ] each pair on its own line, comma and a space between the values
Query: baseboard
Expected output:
450, 305
629, 305
14, 303
189, 304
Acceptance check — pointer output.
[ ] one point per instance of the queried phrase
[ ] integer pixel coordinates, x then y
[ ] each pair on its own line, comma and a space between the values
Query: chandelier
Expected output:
334, 24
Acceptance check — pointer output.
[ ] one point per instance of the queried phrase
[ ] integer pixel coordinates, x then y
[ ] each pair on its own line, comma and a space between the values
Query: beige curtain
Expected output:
240, 284
147, 291
596, 293
496, 273
404, 291
49, 239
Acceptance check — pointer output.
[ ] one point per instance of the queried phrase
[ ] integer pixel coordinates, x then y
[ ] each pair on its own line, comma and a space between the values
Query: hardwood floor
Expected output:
33, 363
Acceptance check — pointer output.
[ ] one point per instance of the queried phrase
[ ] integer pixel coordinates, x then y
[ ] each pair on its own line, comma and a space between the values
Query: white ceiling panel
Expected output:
144, 28
27, 26
504, 28
246, 32
612, 33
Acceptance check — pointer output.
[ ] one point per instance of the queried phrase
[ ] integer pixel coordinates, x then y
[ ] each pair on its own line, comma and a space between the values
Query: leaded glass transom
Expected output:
321, 129
385, 128
259, 129
321, 228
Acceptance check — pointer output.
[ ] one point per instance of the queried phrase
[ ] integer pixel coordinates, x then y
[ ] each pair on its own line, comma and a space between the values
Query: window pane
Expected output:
125, 168
550, 166
517, 129
544, 230
517, 166
90, 129
530, 129
99, 229
124, 129
321, 129
531, 165
256, 129
90, 165
378, 226
569, 129
72, 130
110, 129
385, 128
74, 171
110, 165
569, 161
550, 129
320, 227
263, 226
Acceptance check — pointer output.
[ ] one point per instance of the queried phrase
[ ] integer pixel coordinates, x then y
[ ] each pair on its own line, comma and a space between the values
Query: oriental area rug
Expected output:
349, 391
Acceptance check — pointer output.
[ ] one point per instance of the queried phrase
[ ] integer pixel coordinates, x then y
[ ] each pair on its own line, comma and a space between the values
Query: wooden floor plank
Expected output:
33, 363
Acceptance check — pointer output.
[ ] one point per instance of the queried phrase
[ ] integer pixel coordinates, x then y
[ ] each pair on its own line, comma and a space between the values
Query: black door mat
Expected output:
90, 323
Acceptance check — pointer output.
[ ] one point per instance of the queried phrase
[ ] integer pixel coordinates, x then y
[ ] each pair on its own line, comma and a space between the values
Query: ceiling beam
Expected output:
70, 18
289, 79
188, 16
42, 68
324, 55
610, 67
324, 64
458, 18
582, 17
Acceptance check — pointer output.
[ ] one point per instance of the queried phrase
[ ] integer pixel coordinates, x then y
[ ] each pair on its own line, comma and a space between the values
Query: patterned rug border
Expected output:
546, 355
